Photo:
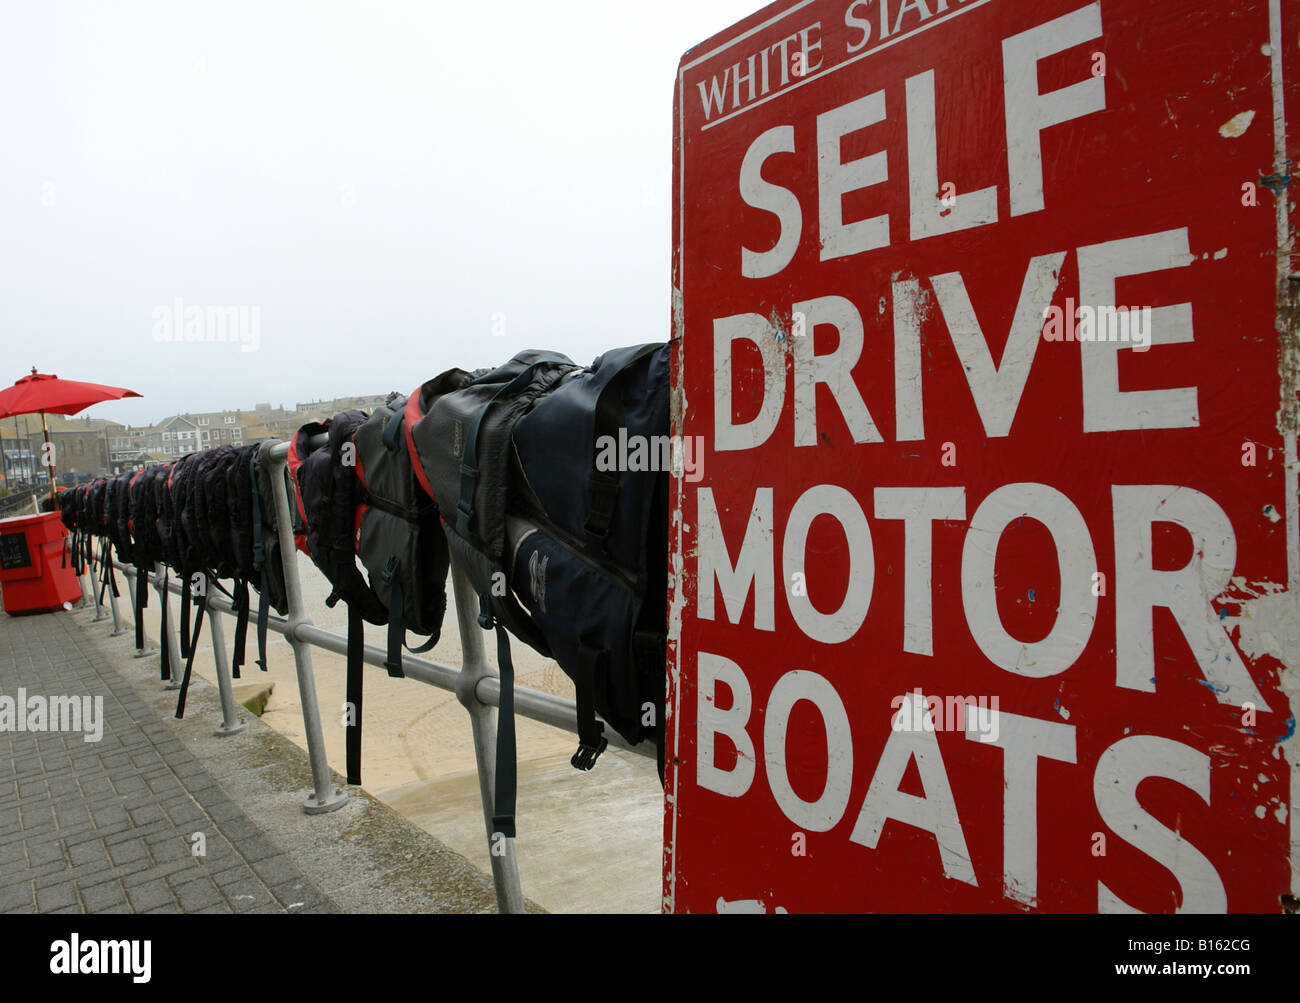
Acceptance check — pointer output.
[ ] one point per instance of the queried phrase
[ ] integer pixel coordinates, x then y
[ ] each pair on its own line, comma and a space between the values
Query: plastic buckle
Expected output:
586, 756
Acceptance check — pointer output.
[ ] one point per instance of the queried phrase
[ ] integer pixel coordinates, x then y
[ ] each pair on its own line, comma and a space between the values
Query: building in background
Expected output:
174, 437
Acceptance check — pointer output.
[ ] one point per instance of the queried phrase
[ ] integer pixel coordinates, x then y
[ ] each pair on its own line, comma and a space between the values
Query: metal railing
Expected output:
20, 503
475, 682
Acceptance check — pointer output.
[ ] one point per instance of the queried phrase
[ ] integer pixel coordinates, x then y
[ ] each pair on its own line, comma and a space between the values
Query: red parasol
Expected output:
45, 393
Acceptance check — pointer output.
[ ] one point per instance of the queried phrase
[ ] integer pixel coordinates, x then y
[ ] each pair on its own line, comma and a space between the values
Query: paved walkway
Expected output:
111, 826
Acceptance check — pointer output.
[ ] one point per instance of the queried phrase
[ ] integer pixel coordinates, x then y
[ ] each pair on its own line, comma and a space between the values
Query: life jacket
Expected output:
119, 516
268, 570
70, 503
146, 545
238, 489
564, 552
328, 496
358, 498
96, 526
198, 495
399, 537
114, 525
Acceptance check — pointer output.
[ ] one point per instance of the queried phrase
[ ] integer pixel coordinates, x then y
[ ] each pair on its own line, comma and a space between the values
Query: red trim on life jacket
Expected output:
361, 473
294, 461
356, 533
412, 415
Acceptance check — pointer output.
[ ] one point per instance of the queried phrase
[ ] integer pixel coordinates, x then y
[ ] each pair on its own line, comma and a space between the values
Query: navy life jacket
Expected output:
567, 555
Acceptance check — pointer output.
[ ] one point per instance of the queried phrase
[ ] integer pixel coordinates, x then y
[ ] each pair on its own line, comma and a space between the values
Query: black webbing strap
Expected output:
609, 417
241, 627
469, 461
164, 644
194, 647
108, 580
112, 578
141, 601
433, 639
185, 614
591, 733
503, 813
396, 623
259, 550
356, 670
103, 577
263, 607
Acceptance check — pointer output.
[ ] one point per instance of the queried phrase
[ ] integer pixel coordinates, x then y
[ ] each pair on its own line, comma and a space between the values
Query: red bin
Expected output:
32, 576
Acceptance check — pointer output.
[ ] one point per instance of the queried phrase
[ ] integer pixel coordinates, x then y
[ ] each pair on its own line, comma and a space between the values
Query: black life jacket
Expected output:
328, 497
146, 545
268, 570
568, 556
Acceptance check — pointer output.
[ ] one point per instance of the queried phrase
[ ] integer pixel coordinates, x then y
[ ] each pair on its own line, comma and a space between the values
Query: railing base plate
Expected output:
318, 806
222, 731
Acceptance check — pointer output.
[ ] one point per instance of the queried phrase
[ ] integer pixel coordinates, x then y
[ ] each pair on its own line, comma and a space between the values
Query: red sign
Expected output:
985, 581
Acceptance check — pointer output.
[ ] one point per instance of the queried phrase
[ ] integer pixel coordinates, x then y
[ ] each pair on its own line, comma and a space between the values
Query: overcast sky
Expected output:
398, 188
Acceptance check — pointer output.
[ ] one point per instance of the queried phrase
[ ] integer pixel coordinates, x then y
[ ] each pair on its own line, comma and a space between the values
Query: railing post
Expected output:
325, 796
231, 724
118, 629
505, 871
87, 594
170, 634
86, 575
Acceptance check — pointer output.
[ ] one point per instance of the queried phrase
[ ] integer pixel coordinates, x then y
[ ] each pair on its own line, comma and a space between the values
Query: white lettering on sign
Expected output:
1026, 743
996, 388
1028, 114
760, 73
1120, 770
